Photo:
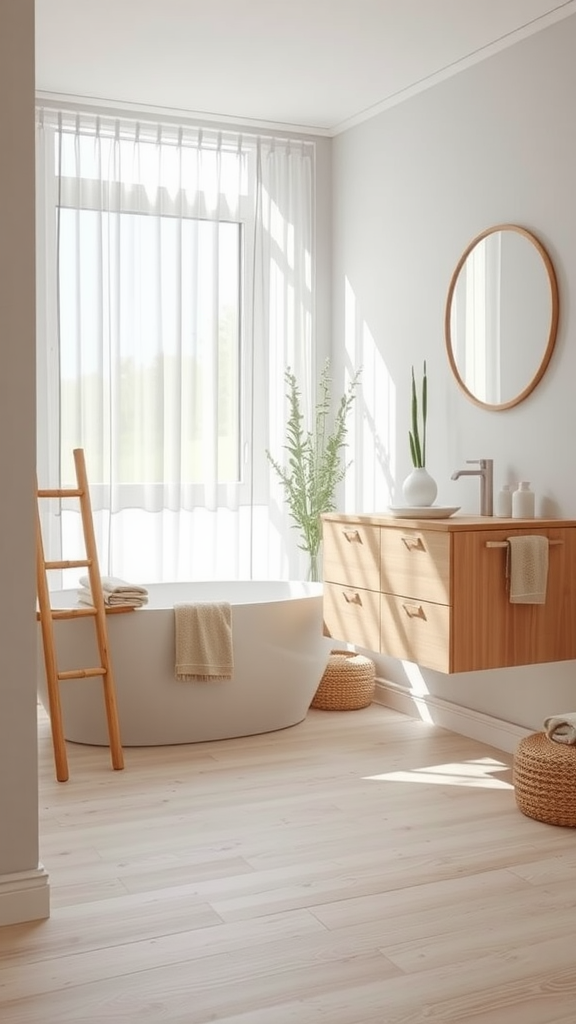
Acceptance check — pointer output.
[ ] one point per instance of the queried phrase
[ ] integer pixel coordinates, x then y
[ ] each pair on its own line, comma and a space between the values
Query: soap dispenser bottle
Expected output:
523, 501
504, 502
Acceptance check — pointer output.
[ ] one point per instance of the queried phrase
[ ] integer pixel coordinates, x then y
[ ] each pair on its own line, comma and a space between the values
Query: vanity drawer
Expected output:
351, 554
416, 563
352, 615
416, 631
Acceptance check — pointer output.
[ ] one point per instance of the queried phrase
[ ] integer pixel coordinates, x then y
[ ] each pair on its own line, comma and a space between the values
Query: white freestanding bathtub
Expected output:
279, 654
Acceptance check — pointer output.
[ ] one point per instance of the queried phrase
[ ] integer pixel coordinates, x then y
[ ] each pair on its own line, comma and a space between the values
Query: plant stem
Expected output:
314, 459
417, 444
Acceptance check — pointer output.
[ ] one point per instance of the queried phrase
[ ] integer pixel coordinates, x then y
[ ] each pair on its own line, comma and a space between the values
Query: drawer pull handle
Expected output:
414, 543
352, 597
351, 535
414, 611
504, 543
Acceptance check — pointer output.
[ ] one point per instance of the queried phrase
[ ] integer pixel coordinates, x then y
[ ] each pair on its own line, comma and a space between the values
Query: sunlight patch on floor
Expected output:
481, 773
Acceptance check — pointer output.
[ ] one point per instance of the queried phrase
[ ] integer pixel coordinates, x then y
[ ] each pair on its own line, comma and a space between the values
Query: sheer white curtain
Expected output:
175, 270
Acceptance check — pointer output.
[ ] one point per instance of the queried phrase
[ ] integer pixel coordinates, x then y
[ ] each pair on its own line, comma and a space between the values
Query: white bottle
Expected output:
504, 502
523, 502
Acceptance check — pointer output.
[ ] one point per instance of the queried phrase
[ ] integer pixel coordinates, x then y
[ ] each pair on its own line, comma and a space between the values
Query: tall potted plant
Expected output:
314, 465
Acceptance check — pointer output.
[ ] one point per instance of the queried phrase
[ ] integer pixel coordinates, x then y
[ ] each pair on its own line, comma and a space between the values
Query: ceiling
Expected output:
314, 65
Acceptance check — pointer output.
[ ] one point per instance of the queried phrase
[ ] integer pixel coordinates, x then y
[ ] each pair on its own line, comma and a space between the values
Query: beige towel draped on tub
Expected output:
203, 641
527, 569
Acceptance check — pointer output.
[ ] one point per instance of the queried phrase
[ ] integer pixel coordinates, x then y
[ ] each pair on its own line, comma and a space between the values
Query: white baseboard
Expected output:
24, 896
493, 731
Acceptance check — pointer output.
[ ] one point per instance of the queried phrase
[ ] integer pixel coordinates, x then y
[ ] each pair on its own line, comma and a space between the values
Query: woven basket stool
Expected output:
544, 779
348, 683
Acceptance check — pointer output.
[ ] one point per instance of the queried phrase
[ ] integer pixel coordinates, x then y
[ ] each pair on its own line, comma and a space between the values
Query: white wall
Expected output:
23, 889
412, 187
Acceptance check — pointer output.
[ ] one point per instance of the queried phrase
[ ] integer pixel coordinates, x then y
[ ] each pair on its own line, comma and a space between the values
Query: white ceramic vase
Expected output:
419, 488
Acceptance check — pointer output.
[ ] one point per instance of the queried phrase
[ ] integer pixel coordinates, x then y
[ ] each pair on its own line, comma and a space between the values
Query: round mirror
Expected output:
501, 316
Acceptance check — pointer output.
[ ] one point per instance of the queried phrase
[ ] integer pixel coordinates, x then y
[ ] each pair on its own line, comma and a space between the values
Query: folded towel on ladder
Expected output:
203, 641
561, 728
115, 592
527, 569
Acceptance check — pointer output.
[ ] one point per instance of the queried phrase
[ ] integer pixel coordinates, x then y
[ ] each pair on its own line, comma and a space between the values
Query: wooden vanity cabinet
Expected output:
434, 592
352, 598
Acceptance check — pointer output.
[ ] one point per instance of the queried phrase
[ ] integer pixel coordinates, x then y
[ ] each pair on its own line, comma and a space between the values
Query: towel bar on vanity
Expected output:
504, 543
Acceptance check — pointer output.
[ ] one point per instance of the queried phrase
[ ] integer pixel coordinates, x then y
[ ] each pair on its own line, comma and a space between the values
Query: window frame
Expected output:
64, 192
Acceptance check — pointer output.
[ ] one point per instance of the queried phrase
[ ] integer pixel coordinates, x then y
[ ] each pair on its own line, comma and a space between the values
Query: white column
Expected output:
24, 893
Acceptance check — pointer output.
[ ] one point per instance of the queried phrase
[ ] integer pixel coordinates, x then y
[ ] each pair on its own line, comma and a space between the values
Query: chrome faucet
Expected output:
486, 474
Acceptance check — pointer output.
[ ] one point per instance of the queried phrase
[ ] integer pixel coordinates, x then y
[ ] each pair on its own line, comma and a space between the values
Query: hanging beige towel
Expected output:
527, 569
203, 641
561, 728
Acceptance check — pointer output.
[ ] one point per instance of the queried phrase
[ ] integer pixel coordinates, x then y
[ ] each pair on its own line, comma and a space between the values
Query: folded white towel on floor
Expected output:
113, 599
527, 569
561, 728
203, 641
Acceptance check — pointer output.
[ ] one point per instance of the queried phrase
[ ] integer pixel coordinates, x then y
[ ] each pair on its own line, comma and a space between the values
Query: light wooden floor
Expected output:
360, 867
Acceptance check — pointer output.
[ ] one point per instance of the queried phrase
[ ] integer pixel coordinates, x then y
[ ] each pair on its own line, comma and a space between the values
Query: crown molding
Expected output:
563, 10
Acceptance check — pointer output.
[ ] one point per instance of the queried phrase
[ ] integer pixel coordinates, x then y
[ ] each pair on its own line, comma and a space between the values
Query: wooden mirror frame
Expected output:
555, 309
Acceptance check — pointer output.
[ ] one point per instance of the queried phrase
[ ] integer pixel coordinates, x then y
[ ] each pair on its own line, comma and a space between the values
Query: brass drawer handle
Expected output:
414, 611
352, 597
414, 544
351, 536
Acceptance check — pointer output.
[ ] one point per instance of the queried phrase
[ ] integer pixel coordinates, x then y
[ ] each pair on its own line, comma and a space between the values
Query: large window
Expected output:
175, 275
151, 269
135, 338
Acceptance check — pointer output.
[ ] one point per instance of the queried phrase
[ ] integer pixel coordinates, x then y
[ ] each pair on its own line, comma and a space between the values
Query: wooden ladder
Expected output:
46, 614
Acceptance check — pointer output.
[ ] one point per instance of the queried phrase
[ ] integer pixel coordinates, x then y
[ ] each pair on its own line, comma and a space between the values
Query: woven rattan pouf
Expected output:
545, 779
348, 683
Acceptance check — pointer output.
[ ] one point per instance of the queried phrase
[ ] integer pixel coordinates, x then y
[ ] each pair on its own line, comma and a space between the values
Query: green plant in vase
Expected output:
314, 465
419, 488
417, 442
